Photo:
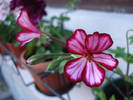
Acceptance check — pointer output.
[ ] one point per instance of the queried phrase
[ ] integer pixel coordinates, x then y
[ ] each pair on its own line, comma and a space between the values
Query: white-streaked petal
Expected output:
74, 68
106, 60
25, 36
97, 43
76, 43
24, 22
93, 74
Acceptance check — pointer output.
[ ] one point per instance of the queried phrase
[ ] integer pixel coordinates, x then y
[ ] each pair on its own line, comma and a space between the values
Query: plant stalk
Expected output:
127, 42
55, 39
116, 87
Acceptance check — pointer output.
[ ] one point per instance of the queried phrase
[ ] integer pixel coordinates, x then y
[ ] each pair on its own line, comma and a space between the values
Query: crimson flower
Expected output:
30, 31
35, 8
89, 67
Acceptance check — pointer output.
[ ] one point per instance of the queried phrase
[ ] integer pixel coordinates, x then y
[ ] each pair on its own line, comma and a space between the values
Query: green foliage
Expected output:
131, 40
120, 53
9, 29
57, 65
99, 93
128, 79
57, 30
72, 4
119, 71
112, 97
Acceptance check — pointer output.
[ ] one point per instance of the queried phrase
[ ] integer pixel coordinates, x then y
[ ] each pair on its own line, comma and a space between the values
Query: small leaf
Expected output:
131, 40
54, 64
64, 18
57, 65
119, 52
100, 93
40, 50
119, 71
39, 58
129, 58
61, 67
128, 79
112, 97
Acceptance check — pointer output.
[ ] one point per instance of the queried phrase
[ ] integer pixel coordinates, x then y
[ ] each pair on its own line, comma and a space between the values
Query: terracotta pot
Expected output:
16, 50
55, 80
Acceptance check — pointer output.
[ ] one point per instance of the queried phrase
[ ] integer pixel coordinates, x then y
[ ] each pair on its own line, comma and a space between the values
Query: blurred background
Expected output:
100, 5
111, 16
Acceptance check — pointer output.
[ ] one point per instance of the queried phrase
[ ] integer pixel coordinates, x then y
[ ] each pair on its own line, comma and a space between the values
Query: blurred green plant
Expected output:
8, 29
101, 95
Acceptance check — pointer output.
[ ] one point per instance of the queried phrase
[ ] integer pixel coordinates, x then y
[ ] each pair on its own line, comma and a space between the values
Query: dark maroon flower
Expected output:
35, 8
87, 67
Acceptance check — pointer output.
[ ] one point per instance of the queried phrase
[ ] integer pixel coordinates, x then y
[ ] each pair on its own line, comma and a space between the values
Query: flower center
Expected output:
89, 56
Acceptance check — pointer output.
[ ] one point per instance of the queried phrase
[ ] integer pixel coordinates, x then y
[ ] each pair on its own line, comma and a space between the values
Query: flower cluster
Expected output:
88, 67
35, 8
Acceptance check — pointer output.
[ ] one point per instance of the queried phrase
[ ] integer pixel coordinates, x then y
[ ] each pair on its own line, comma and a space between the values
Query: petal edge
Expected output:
74, 69
93, 74
76, 43
106, 60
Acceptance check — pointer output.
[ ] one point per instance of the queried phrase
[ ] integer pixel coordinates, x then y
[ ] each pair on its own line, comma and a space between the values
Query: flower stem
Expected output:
55, 39
128, 64
127, 42
38, 58
116, 87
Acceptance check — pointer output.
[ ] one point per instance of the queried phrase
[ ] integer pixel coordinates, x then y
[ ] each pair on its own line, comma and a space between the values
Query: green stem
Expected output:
128, 64
59, 35
55, 39
35, 58
55, 54
116, 87
127, 42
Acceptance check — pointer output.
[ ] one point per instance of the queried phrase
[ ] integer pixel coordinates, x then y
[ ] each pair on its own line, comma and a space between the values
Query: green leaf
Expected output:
119, 52
112, 97
72, 4
129, 58
128, 79
40, 50
61, 66
64, 18
119, 71
100, 93
31, 46
131, 40
39, 58
55, 63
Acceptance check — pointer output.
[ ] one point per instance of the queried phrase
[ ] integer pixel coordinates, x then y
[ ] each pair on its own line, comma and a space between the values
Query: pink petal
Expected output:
93, 74
106, 60
96, 42
74, 68
26, 36
24, 22
76, 43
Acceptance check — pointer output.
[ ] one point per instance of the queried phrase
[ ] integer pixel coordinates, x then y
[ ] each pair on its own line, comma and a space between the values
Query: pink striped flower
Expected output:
30, 31
89, 67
